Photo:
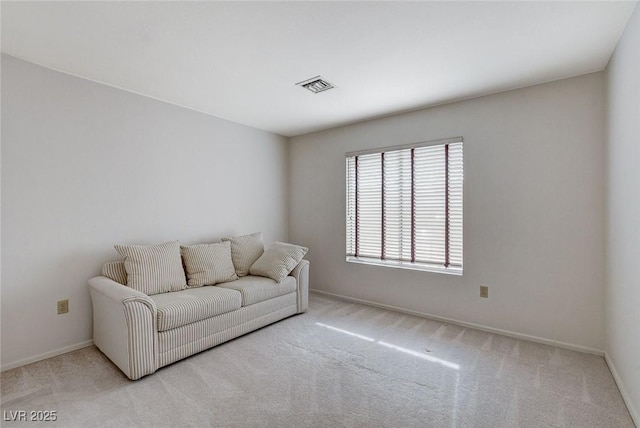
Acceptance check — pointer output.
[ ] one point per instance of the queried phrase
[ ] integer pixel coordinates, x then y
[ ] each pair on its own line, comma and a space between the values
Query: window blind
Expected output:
405, 204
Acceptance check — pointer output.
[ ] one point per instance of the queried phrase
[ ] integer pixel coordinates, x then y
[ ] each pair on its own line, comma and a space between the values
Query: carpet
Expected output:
340, 364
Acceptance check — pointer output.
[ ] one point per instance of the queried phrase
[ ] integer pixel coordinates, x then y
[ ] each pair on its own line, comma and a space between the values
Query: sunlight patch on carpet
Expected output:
430, 358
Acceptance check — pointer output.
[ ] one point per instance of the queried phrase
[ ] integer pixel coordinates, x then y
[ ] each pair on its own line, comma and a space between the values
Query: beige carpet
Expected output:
338, 365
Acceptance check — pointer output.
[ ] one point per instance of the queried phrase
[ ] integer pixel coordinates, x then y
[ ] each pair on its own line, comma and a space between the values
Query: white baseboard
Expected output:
509, 333
623, 391
40, 357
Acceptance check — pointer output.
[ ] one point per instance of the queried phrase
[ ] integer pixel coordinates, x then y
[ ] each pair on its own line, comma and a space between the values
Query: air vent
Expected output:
315, 84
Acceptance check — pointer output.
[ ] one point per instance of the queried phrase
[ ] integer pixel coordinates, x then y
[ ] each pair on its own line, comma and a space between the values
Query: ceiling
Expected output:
240, 61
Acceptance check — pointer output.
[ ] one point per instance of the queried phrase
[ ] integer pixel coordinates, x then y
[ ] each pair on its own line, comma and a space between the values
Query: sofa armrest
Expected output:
301, 274
124, 326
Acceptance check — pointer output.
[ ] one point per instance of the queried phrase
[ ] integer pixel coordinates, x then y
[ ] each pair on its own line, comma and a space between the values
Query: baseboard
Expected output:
623, 391
40, 357
468, 324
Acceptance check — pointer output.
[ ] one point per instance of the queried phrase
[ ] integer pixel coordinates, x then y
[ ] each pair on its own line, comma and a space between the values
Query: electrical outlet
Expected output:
484, 291
63, 306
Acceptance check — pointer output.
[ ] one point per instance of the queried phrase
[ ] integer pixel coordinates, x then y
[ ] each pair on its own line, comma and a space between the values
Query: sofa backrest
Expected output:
115, 271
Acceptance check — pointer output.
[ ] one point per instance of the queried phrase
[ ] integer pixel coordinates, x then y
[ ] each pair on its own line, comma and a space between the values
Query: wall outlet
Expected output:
484, 291
63, 306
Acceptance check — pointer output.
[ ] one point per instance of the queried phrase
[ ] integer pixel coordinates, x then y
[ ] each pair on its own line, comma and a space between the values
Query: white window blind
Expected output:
404, 205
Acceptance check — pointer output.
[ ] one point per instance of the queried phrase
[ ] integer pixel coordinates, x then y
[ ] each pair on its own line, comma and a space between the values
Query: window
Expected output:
404, 206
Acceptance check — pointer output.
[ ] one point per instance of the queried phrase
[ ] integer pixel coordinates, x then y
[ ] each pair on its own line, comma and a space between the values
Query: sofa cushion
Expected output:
208, 264
115, 271
245, 250
194, 304
255, 289
153, 269
278, 261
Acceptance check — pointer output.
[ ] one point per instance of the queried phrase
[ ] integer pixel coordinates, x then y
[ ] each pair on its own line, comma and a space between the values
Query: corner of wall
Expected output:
622, 296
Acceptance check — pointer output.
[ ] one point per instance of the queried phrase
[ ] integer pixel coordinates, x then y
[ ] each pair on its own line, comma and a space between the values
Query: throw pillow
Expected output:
278, 261
153, 269
115, 271
245, 250
208, 264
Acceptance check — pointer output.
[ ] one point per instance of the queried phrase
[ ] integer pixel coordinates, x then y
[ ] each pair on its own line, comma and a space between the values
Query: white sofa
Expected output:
142, 333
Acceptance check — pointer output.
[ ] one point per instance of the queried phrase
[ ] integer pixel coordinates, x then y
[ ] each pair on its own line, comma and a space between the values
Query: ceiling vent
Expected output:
315, 84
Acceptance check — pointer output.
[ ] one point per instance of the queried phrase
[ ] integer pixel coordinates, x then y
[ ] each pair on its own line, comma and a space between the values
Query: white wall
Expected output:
533, 211
86, 166
623, 215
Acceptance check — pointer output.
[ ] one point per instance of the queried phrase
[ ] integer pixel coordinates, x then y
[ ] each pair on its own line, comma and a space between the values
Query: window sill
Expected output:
406, 265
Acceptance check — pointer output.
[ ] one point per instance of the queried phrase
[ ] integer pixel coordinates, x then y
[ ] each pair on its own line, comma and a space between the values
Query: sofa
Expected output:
141, 330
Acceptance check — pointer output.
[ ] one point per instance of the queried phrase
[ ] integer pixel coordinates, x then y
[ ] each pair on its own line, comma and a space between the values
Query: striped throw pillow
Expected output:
115, 271
245, 250
208, 264
278, 261
153, 269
